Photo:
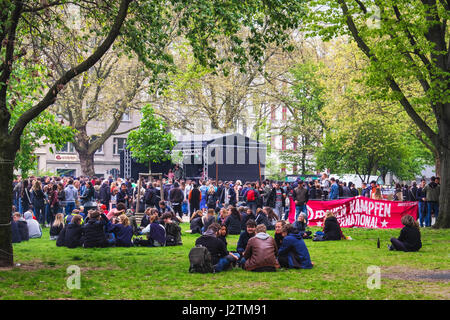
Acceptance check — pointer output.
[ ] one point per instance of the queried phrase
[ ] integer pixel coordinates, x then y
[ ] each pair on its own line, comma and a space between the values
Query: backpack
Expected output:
251, 195
200, 260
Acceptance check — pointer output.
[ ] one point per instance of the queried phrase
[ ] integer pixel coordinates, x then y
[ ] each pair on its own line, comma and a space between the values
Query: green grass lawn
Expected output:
340, 272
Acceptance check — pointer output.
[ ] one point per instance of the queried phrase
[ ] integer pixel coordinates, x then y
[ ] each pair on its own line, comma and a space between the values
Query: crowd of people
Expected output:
92, 212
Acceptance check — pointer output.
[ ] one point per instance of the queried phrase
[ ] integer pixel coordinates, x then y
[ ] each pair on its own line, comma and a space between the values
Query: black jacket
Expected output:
332, 229
245, 218
233, 224
38, 198
176, 196
94, 234
70, 236
145, 221
410, 238
54, 231
262, 219
15, 233
231, 194
151, 198
216, 247
196, 225
272, 198
104, 194
23, 229
243, 240
195, 198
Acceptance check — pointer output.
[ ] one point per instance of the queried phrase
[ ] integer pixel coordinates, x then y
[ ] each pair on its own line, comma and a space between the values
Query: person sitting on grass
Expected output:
208, 219
293, 252
278, 232
155, 232
220, 257
223, 215
261, 218
301, 224
122, 230
71, 235
261, 251
222, 235
332, 229
173, 230
197, 222
68, 218
57, 226
245, 236
146, 218
94, 230
22, 226
15, 233
34, 228
271, 217
115, 212
409, 239
233, 221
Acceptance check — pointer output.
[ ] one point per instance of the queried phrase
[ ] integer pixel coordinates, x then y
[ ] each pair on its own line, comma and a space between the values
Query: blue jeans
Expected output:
70, 206
252, 205
422, 212
279, 209
431, 205
299, 209
225, 262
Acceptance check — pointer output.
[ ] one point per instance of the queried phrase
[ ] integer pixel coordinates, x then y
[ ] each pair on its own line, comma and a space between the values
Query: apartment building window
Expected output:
283, 143
67, 148
126, 116
99, 150
118, 145
284, 111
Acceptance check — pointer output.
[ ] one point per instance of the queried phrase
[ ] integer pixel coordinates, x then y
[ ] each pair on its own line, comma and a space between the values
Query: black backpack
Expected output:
200, 260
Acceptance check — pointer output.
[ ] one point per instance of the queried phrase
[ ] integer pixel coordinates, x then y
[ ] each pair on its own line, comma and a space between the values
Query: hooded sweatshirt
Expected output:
34, 229
71, 193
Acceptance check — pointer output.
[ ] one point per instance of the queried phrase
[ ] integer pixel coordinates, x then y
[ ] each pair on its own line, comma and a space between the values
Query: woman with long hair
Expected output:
25, 196
409, 239
57, 226
38, 200
233, 221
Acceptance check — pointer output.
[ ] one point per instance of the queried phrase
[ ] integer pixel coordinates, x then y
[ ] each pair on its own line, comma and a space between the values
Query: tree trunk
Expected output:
81, 145
437, 163
6, 173
444, 197
87, 163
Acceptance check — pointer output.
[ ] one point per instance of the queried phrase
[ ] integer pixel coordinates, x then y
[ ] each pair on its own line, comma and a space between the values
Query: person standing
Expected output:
334, 190
71, 196
421, 197
276, 200
195, 197
432, 191
227, 196
251, 197
325, 185
301, 198
38, 200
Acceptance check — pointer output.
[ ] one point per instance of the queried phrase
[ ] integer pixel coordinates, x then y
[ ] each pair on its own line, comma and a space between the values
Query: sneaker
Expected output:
390, 247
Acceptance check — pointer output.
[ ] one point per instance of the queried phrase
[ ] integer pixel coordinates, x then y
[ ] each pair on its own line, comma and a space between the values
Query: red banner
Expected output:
362, 212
